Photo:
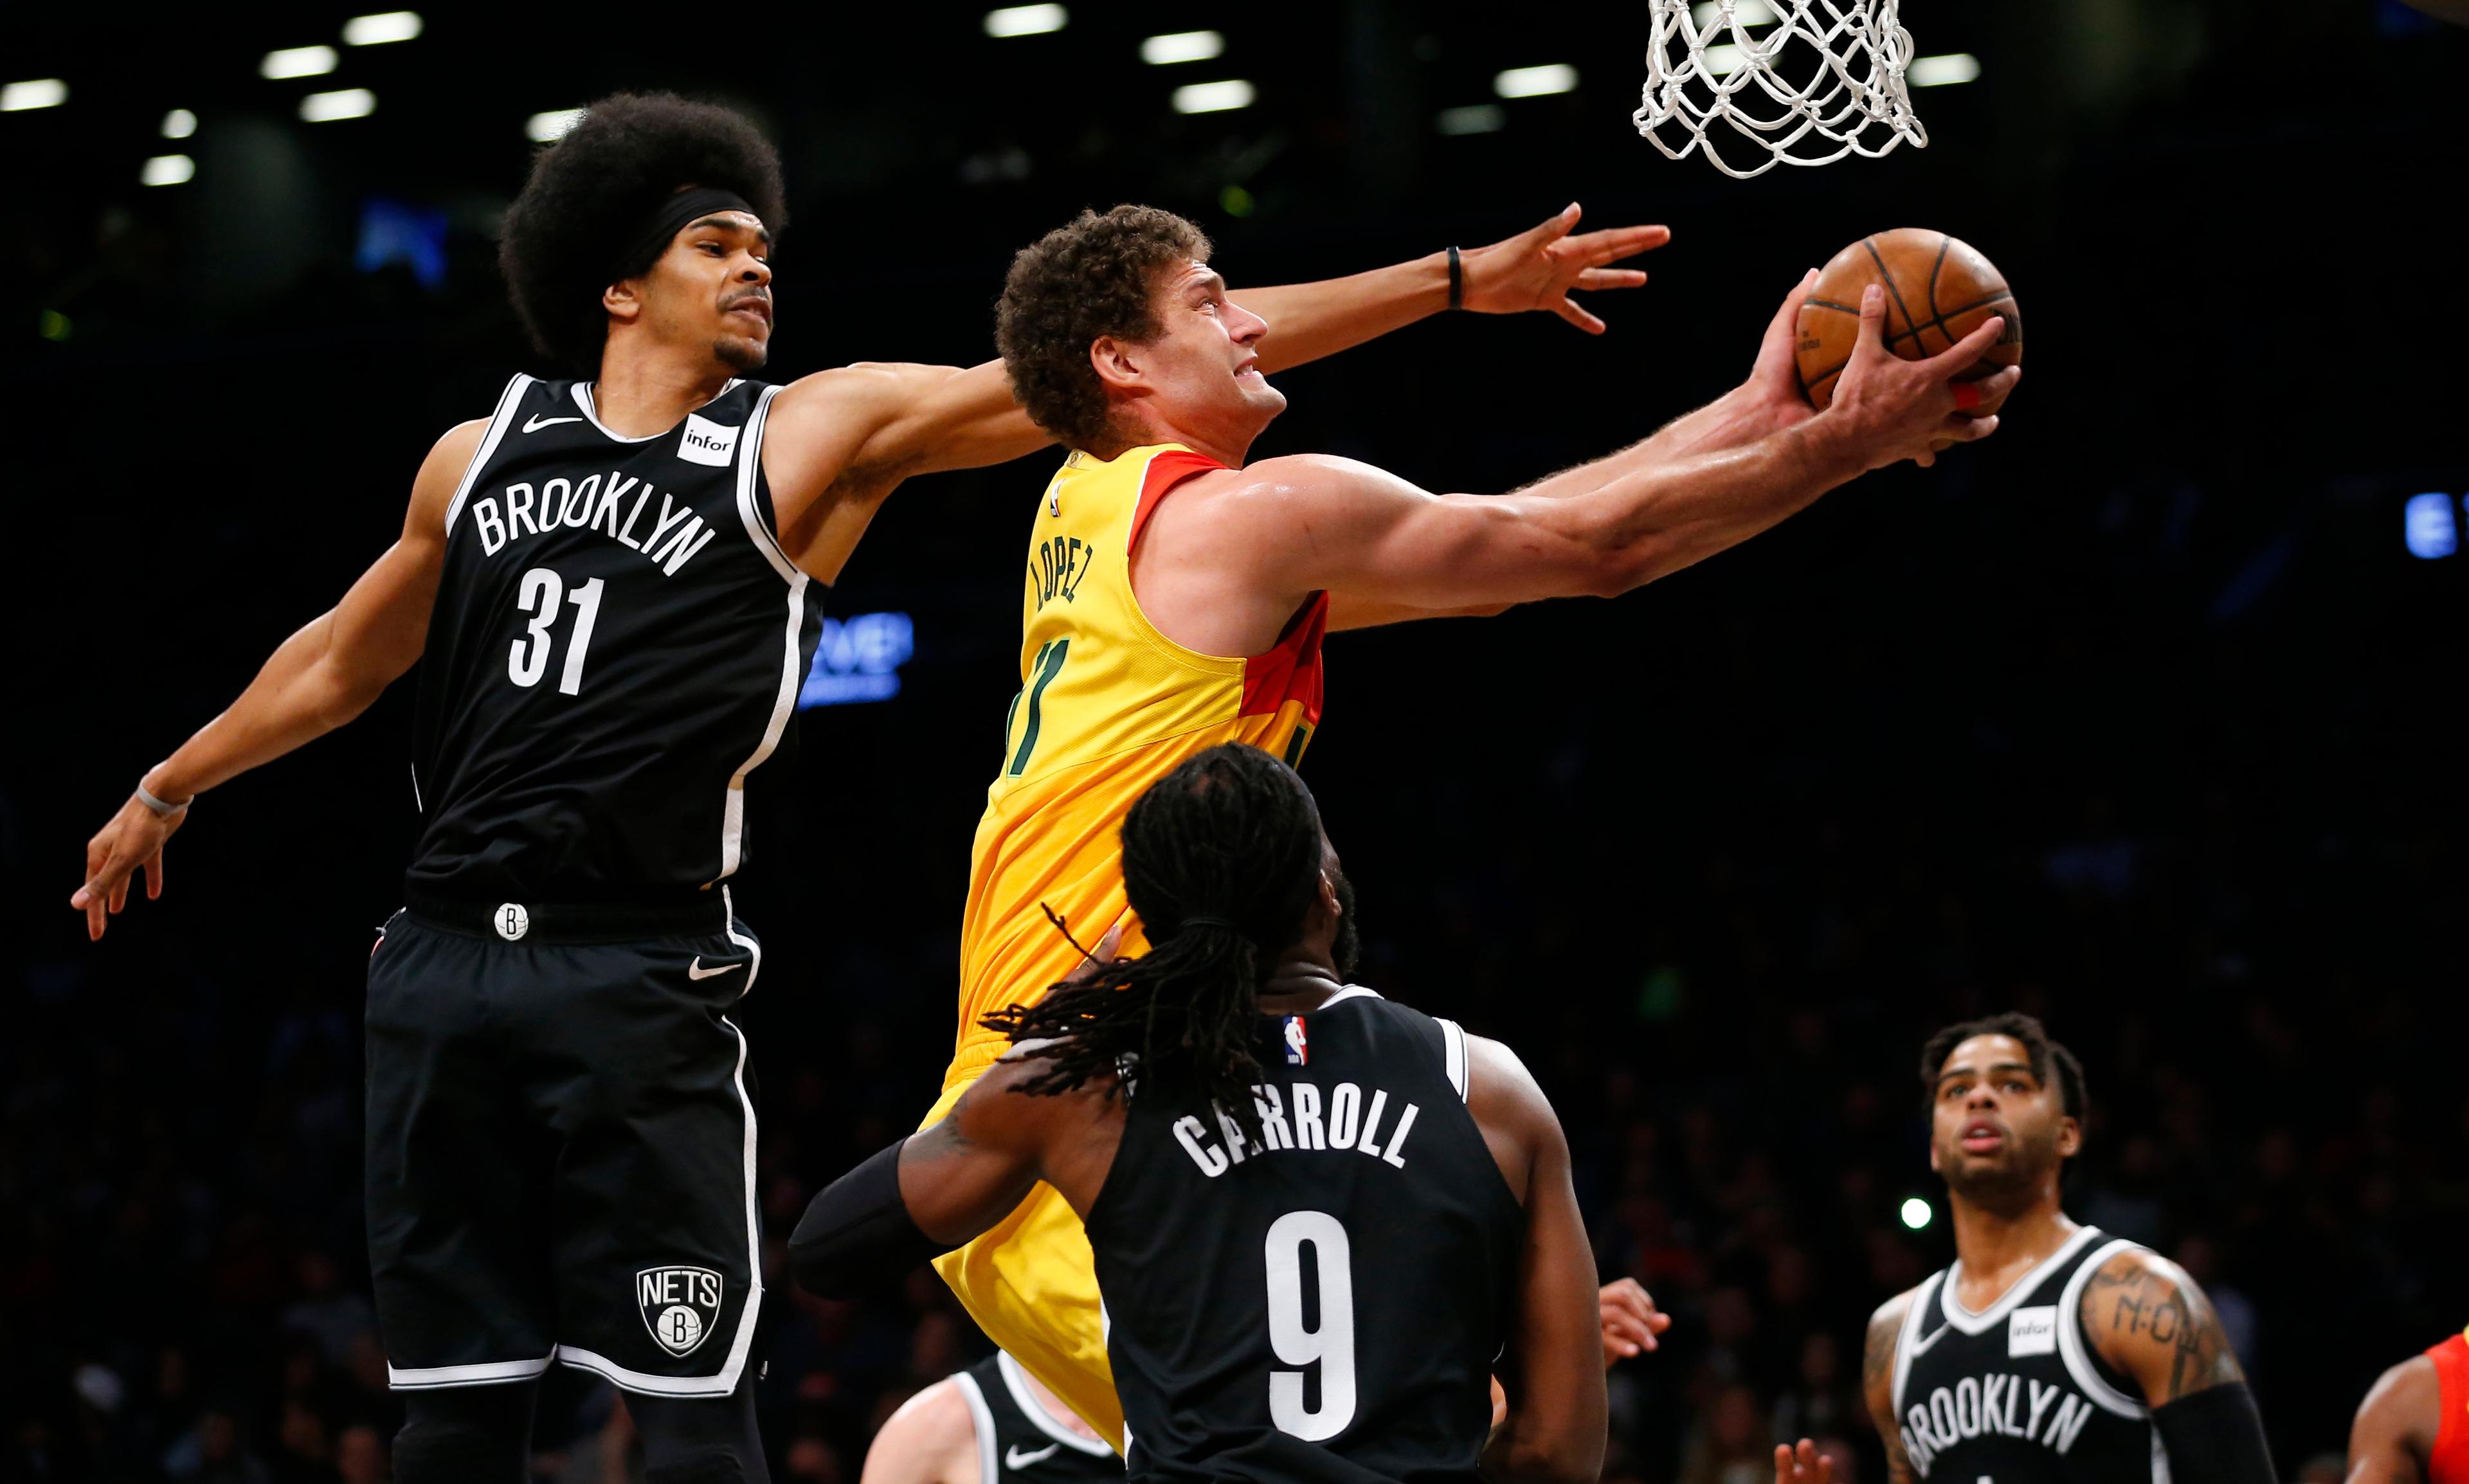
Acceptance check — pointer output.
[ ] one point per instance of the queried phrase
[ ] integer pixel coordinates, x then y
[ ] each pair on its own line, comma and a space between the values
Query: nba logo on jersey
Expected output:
706, 442
680, 1305
1298, 1046
2033, 1332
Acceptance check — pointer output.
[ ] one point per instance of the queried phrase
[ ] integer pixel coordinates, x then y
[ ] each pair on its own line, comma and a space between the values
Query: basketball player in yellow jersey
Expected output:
1176, 599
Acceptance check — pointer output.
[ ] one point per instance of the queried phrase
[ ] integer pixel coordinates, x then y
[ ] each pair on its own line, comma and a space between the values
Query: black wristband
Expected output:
858, 1233
2215, 1436
1457, 282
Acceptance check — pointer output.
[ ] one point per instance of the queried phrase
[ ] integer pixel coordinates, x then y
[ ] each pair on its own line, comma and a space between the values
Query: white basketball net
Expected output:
1732, 61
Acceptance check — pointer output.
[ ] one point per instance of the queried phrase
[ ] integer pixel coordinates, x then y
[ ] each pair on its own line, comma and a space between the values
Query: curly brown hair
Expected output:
1082, 281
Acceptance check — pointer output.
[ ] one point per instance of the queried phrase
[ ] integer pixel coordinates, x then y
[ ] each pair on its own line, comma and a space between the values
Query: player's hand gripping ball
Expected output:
1938, 290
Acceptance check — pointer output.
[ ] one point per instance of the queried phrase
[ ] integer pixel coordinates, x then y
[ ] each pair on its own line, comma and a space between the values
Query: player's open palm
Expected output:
1895, 410
1804, 1465
134, 840
1538, 269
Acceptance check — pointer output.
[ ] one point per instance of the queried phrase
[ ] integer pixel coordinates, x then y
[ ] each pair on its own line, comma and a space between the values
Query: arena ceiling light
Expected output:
1536, 81
1215, 97
298, 62
1915, 1213
1026, 20
1472, 119
33, 93
379, 30
1940, 71
168, 170
180, 123
1182, 46
351, 102
555, 123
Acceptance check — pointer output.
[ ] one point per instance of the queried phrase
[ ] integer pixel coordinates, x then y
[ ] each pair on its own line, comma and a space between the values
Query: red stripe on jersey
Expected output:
1166, 471
1290, 671
2449, 1463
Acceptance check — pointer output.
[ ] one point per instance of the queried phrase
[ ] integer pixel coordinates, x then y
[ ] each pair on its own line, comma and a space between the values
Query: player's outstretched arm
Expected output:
315, 681
1553, 1368
1535, 270
2395, 1430
1378, 541
2152, 1323
1877, 1383
932, 1439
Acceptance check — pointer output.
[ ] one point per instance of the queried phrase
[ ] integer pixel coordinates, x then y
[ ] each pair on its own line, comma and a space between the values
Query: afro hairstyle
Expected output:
590, 193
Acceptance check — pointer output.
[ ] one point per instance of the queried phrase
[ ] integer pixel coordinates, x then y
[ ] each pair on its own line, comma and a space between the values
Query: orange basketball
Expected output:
1938, 290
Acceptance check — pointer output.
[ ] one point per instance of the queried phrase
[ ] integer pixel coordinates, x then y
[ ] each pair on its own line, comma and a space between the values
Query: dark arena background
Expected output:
2132, 716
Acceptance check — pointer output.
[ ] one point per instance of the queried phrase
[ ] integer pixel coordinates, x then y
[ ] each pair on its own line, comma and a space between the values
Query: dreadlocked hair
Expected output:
1233, 839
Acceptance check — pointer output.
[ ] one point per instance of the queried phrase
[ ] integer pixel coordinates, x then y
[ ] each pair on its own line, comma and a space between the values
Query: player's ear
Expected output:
1328, 902
2069, 1138
1117, 362
623, 300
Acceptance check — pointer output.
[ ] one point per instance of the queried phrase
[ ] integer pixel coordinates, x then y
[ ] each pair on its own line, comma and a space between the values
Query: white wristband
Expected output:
161, 810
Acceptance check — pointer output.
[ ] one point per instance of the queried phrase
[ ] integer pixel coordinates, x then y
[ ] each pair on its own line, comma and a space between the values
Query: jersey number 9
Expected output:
1331, 1345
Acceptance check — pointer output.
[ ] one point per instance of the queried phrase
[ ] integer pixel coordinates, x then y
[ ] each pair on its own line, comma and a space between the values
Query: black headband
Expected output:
667, 218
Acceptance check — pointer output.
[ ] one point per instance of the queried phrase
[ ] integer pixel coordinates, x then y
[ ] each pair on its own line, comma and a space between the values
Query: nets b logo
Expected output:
680, 1305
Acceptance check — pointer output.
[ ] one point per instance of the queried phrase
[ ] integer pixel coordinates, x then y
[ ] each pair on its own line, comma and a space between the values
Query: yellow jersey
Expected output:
1107, 705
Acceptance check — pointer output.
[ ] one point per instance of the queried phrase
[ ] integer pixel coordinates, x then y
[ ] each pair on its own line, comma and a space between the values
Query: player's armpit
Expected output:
2394, 1433
1878, 1381
2147, 1319
1353, 611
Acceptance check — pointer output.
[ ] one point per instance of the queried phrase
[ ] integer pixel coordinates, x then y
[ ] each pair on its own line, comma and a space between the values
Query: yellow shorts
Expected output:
1031, 1283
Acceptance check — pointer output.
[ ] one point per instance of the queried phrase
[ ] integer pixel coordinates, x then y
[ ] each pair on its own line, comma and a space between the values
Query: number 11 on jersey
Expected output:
539, 594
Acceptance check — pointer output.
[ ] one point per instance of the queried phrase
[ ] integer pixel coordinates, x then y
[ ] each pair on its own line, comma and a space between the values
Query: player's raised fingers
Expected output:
1613, 243
1551, 229
1871, 344
1611, 278
1968, 429
1575, 313
155, 875
1964, 354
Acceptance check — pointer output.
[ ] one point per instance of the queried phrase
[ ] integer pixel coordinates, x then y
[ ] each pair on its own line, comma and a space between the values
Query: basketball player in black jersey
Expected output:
990, 1423
615, 583
1318, 1215
2050, 1352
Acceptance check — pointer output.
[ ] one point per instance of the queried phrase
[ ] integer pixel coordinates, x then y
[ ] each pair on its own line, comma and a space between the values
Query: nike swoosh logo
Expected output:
1014, 1458
696, 971
537, 422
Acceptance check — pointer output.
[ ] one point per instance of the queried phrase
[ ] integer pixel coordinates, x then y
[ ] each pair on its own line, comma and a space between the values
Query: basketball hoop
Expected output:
1727, 61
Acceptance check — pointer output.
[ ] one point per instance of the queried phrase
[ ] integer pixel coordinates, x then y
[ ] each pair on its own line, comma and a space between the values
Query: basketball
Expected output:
1938, 290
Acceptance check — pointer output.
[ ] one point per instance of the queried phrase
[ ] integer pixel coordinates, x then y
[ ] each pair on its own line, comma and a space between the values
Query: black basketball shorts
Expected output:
561, 1156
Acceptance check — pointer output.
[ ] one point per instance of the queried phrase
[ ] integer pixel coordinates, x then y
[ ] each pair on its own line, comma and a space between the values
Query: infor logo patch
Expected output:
706, 442
2032, 1332
680, 1306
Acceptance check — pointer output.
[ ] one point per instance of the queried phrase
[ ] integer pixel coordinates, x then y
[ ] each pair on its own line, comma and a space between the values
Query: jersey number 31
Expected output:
528, 659
1331, 1344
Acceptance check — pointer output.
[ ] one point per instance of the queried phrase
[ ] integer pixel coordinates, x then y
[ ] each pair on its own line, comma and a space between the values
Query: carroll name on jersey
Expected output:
1303, 1118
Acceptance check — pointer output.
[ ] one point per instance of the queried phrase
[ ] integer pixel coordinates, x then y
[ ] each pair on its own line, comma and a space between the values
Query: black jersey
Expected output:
1019, 1442
618, 641
1324, 1305
2015, 1394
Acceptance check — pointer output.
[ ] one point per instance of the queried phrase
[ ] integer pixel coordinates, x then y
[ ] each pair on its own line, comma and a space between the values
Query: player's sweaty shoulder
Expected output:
1516, 1118
441, 473
2144, 1316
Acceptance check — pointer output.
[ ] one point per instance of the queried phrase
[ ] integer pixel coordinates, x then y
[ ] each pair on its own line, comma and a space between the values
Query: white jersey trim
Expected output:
2077, 1354
984, 1418
1995, 1314
750, 464
498, 422
1909, 1343
495, 1373
1350, 992
1016, 1382
1453, 1053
